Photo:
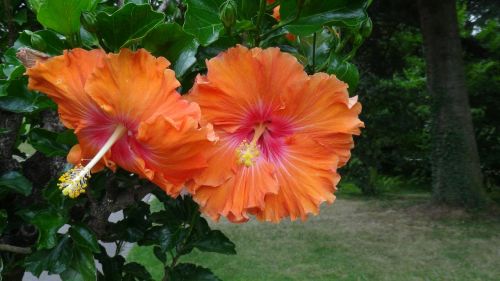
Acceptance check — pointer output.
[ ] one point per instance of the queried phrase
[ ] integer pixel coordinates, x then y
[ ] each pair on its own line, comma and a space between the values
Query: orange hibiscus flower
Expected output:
125, 111
283, 134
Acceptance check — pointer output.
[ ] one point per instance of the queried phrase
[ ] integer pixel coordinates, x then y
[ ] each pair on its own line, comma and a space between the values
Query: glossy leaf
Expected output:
12, 67
20, 100
54, 261
54, 45
170, 41
317, 13
46, 142
127, 26
216, 241
83, 237
63, 16
202, 20
48, 222
81, 268
16, 182
346, 72
191, 272
136, 270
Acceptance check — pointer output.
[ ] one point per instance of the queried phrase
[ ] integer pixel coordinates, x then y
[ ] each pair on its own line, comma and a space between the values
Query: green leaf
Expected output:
12, 67
3, 220
317, 13
63, 16
16, 182
191, 272
170, 41
112, 267
346, 72
83, 237
55, 261
127, 26
48, 221
158, 235
216, 241
202, 20
54, 44
137, 270
81, 268
20, 100
46, 142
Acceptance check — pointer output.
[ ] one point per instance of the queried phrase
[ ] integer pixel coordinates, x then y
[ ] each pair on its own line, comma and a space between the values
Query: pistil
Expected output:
248, 152
74, 181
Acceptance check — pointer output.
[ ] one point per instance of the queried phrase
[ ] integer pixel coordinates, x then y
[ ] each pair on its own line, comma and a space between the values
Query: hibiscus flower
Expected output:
282, 136
125, 112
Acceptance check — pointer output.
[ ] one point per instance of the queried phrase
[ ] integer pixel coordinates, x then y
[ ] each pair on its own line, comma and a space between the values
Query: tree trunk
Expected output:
456, 172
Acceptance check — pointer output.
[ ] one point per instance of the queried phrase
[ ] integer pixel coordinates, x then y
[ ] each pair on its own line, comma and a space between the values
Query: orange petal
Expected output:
306, 176
174, 152
240, 194
323, 106
137, 86
63, 79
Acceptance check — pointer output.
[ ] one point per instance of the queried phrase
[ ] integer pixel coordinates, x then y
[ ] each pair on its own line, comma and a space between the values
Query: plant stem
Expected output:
260, 16
15, 249
314, 53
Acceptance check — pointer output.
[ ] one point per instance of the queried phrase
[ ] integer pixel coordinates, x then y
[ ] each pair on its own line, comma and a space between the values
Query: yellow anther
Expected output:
246, 153
74, 181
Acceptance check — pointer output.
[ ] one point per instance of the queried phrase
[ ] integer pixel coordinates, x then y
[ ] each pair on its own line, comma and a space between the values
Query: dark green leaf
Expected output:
170, 41
46, 142
12, 67
216, 241
63, 16
112, 267
3, 220
54, 45
160, 254
127, 26
16, 182
158, 235
20, 100
137, 270
81, 268
191, 272
202, 20
317, 13
55, 261
83, 237
346, 72
48, 221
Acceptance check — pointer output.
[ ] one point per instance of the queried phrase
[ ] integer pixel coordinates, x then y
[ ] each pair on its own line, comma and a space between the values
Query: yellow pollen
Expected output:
246, 152
74, 181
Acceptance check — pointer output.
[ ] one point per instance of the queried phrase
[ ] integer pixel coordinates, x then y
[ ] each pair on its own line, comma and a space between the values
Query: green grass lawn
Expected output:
391, 238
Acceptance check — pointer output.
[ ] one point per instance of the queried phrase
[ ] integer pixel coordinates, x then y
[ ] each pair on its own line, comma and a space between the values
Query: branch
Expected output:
15, 249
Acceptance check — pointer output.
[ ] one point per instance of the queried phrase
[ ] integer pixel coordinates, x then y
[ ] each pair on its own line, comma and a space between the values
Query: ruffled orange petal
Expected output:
323, 106
239, 195
63, 79
306, 176
136, 86
174, 151
241, 79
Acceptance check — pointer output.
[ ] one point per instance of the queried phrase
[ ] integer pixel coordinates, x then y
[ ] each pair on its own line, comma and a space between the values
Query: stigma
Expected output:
248, 152
74, 181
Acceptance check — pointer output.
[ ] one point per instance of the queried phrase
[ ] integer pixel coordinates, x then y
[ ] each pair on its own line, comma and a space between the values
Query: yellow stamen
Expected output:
247, 153
74, 181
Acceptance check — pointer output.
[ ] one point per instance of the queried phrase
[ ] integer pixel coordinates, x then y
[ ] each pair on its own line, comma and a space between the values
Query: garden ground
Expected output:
394, 237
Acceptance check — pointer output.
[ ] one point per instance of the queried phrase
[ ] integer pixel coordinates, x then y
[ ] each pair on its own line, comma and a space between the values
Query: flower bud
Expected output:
89, 21
228, 12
